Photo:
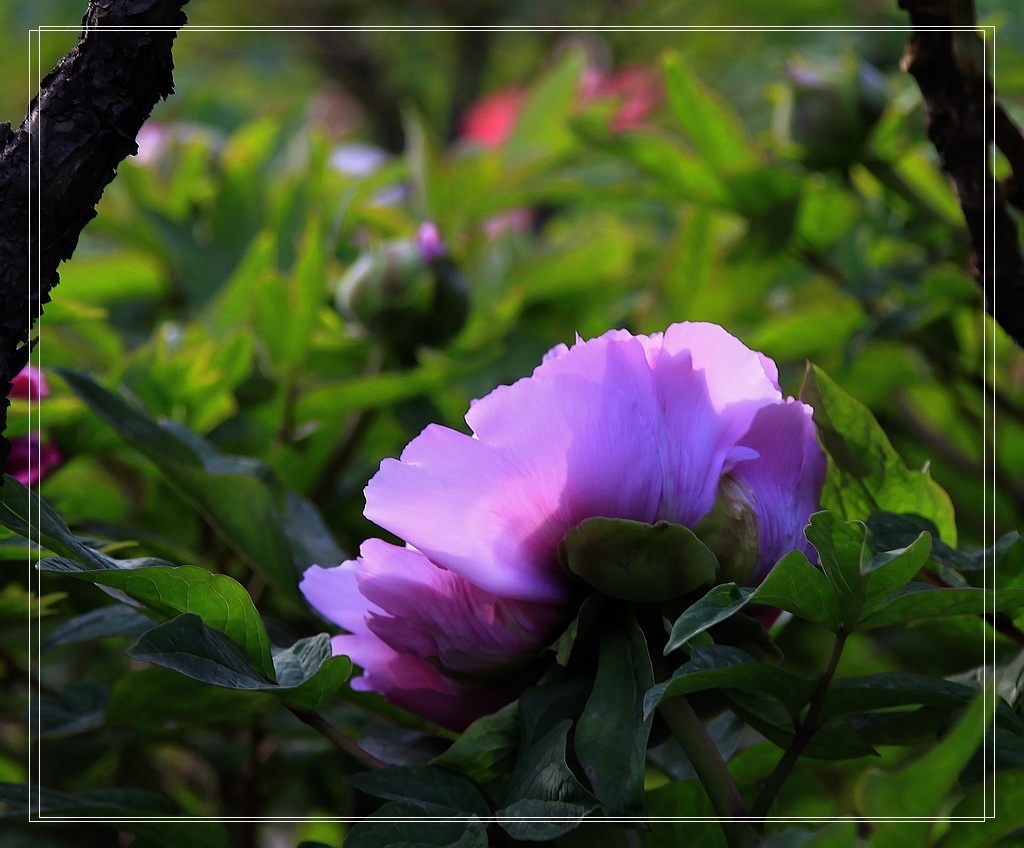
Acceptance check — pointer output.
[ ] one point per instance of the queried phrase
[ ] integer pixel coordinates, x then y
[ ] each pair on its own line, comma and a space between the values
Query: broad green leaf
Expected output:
843, 548
793, 585
923, 600
920, 788
541, 788
542, 128
156, 699
890, 571
835, 740
423, 783
487, 749
544, 707
893, 689
634, 561
1003, 795
892, 531
796, 586
719, 604
376, 832
79, 709
117, 805
47, 527
714, 128
310, 540
306, 293
217, 599
240, 497
865, 473
114, 620
615, 763
306, 672
725, 667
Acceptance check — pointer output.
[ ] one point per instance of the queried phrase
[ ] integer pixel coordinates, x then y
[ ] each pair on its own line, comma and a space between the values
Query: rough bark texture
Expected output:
961, 120
55, 166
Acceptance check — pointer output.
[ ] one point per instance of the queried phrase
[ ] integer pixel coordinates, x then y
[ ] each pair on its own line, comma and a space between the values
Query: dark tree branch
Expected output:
55, 166
961, 120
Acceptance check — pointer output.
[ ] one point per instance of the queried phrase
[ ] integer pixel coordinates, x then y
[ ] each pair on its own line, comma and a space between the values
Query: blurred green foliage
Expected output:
253, 411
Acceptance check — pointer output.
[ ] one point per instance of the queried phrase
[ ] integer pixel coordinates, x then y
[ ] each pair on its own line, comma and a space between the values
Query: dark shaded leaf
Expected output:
113, 620
635, 561
157, 699
306, 672
615, 763
217, 599
725, 667
79, 709
377, 831
487, 749
542, 789
423, 783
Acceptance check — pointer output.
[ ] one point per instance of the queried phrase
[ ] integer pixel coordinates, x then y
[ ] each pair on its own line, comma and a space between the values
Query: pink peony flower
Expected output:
621, 426
490, 120
30, 461
28, 383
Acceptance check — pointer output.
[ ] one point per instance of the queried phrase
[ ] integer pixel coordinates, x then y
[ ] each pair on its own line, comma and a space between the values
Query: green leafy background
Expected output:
219, 418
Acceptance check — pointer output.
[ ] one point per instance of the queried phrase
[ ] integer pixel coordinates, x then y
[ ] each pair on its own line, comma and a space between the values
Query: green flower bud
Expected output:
731, 531
405, 295
828, 110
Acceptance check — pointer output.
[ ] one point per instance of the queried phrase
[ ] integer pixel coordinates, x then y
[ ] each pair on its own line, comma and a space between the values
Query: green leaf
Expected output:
240, 497
541, 788
920, 788
487, 749
374, 832
306, 672
866, 474
890, 571
306, 293
615, 763
836, 740
843, 548
893, 689
47, 526
718, 605
310, 540
715, 129
79, 709
155, 700
113, 620
635, 561
217, 599
923, 600
423, 783
115, 804
796, 586
542, 128
1005, 788
725, 667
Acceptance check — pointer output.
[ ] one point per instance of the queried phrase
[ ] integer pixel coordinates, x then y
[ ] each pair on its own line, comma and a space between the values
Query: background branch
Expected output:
55, 166
961, 119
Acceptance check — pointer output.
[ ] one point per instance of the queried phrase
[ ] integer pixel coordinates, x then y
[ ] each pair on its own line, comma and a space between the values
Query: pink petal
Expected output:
29, 462
785, 479
29, 383
431, 612
710, 386
550, 453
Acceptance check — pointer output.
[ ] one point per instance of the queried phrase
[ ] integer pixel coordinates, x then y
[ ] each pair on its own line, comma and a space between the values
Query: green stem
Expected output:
707, 762
340, 741
808, 727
